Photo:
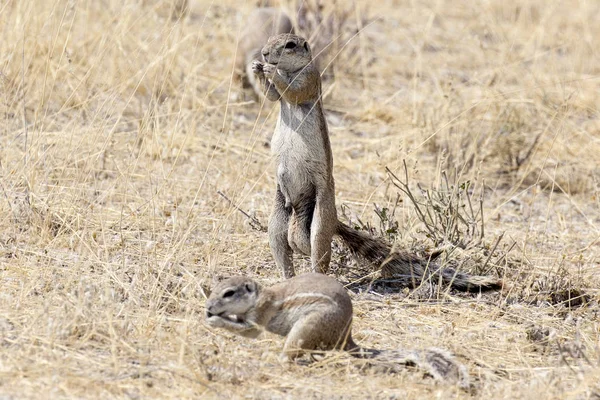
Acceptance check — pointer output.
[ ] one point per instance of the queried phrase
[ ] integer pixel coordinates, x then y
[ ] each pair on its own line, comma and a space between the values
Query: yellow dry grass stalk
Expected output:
118, 128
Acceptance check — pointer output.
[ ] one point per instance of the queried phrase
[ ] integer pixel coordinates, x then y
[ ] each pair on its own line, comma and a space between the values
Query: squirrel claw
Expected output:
257, 67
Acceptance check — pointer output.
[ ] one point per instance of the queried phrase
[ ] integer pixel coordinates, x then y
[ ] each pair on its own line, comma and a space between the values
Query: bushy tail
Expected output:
436, 362
401, 265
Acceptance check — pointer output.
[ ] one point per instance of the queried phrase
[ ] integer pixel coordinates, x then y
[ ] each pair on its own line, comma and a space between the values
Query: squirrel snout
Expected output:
209, 313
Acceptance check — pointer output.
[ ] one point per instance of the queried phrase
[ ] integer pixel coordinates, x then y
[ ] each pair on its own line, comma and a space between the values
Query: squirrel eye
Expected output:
228, 293
290, 45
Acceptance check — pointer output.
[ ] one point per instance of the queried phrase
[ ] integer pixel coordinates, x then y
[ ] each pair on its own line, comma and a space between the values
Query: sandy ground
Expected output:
121, 123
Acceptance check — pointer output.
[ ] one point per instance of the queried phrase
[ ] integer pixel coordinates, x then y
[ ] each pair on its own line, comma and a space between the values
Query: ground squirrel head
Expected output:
233, 298
287, 51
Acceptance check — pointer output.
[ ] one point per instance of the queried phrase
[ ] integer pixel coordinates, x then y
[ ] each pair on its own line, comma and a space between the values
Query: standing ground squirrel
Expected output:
304, 217
314, 312
261, 24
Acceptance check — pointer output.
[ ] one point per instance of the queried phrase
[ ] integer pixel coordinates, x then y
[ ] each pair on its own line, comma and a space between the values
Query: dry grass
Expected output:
116, 134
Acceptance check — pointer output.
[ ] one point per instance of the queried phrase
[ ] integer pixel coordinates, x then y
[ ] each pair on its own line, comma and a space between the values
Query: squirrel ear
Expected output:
306, 46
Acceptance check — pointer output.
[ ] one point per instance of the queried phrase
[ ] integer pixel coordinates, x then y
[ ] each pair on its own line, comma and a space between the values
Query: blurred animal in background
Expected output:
328, 27
261, 24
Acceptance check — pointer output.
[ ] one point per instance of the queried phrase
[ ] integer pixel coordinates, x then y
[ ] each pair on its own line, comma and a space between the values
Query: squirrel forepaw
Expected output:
257, 67
269, 70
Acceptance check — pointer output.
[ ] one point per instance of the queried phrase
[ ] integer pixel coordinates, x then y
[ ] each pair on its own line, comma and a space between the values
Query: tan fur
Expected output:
314, 312
261, 24
304, 217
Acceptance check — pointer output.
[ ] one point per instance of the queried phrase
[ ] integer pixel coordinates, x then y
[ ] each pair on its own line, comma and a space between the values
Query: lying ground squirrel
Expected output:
304, 217
261, 24
314, 312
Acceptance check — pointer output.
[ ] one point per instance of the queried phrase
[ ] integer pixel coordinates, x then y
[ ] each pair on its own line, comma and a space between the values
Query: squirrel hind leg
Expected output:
278, 236
307, 335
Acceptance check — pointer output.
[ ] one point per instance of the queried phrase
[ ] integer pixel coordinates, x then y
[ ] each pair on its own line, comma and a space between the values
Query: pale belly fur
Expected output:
300, 163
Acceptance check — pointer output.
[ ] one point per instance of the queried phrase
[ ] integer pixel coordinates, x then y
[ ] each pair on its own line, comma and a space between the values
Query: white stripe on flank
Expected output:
307, 296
